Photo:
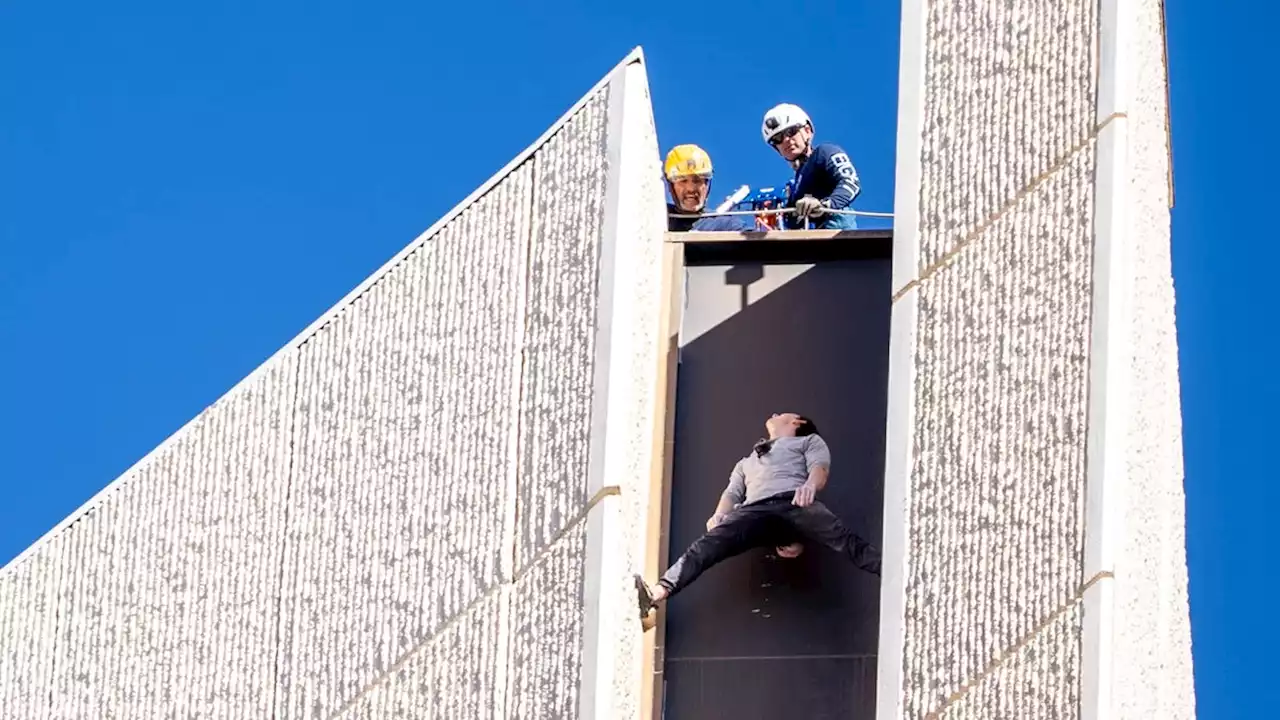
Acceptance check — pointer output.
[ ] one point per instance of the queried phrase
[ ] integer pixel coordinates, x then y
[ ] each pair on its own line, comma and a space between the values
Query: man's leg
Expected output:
781, 536
821, 525
737, 533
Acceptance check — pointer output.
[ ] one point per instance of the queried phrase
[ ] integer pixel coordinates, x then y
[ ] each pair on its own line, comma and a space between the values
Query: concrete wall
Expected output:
414, 508
1033, 530
1152, 659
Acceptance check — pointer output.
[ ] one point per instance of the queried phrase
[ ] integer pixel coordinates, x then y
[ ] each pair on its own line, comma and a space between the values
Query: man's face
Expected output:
690, 193
792, 142
782, 424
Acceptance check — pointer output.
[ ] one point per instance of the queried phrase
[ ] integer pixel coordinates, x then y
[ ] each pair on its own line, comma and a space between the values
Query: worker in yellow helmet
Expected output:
688, 172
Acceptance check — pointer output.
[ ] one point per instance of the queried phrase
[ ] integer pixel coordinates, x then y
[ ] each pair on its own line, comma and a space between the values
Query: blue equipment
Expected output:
766, 198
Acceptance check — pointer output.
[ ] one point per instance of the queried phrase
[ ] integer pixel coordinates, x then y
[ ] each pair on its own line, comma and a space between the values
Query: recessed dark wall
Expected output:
761, 636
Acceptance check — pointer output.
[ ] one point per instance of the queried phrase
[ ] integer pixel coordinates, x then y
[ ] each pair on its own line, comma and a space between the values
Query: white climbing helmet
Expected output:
781, 117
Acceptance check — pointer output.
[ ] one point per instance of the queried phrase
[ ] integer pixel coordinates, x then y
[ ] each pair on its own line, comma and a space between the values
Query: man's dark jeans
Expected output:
763, 523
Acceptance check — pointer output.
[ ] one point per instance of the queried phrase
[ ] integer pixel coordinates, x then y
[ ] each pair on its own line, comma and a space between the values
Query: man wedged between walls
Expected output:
688, 173
825, 178
771, 496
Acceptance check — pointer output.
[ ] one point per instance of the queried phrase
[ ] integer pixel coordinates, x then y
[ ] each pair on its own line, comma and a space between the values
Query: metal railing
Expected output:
779, 211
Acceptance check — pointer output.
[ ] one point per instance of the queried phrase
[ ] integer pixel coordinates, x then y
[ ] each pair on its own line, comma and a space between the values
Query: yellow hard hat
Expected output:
686, 160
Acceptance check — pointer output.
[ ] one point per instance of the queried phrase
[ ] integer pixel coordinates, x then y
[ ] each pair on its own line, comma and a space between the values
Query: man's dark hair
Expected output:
806, 427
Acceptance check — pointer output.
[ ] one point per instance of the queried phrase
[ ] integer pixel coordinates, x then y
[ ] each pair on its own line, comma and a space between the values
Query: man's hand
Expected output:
789, 551
809, 206
804, 495
714, 520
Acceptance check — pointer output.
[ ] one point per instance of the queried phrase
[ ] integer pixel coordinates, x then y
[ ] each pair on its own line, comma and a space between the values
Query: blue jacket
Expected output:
732, 223
828, 175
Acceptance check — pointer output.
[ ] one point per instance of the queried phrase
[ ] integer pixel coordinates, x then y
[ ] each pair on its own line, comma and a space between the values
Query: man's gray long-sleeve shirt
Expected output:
783, 469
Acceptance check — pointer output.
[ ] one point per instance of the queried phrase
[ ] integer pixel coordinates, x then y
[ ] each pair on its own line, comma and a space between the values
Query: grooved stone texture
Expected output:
169, 592
997, 488
1009, 92
555, 419
28, 633
997, 478
996, 497
1034, 682
390, 517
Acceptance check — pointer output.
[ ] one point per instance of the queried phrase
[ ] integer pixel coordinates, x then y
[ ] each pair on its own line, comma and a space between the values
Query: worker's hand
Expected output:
804, 495
809, 206
714, 520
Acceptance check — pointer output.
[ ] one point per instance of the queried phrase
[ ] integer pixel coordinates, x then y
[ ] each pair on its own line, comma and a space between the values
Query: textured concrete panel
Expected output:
546, 631
175, 571
1153, 641
555, 416
1037, 680
513, 653
996, 509
1009, 89
401, 471
28, 627
456, 673
1035, 160
997, 333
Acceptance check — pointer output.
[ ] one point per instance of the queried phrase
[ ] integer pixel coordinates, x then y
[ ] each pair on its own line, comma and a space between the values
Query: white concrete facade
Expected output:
423, 506
1035, 557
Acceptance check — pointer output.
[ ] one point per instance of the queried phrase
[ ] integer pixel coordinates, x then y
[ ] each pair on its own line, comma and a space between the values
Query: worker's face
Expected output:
792, 142
782, 424
690, 193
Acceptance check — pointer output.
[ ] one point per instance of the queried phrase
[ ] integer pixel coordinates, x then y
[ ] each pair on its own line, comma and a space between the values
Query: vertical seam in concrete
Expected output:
511, 518
604, 289
1109, 361
900, 405
294, 407
57, 628
511, 514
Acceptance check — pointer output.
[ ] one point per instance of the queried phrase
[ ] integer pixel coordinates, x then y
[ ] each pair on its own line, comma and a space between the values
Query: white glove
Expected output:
809, 206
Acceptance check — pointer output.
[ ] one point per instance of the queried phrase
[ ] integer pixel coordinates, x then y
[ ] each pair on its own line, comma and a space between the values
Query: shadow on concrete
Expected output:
761, 636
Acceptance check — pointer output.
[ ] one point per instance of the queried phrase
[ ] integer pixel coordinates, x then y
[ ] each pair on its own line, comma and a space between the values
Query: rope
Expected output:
779, 211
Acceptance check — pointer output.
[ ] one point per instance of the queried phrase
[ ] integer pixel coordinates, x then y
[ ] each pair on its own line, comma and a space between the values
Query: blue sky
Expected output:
184, 188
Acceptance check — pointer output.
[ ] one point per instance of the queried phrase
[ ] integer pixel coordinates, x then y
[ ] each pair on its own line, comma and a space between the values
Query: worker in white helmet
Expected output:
688, 173
825, 178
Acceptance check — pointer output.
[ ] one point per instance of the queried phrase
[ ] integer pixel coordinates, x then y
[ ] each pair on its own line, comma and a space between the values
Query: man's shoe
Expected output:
644, 599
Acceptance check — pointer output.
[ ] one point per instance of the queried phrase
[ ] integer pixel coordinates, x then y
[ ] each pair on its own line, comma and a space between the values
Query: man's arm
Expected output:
733, 494
838, 165
817, 459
